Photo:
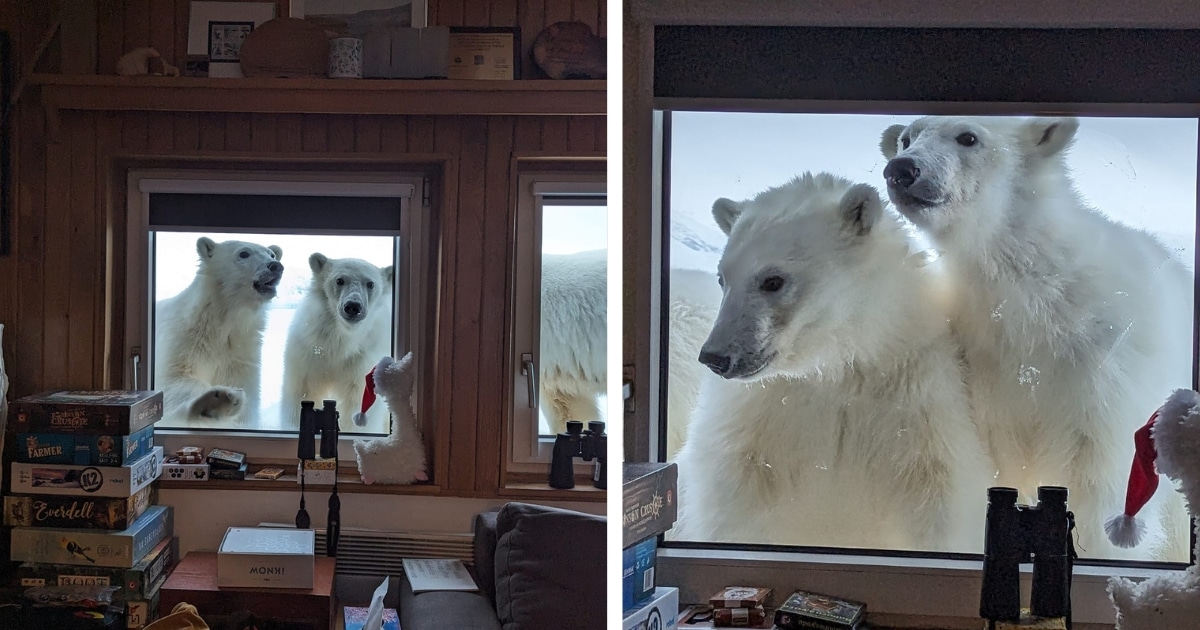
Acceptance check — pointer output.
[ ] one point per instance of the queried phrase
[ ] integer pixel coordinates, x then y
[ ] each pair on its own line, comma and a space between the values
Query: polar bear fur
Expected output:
341, 328
695, 299
398, 458
842, 416
208, 338
574, 337
1074, 327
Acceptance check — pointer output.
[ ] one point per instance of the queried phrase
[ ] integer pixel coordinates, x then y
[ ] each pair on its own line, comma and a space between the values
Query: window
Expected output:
816, 80
329, 266
560, 315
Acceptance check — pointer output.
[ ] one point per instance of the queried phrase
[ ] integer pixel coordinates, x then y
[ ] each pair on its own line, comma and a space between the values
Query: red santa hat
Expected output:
1125, 530
360, 417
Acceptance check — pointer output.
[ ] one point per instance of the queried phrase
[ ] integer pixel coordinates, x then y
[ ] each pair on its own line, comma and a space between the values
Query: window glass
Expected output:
853, 367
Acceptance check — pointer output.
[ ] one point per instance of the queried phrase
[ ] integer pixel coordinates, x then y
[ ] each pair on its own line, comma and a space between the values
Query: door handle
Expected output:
529, 370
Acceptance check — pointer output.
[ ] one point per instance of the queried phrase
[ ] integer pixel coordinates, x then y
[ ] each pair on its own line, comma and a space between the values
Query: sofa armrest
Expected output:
484, 551
439, 610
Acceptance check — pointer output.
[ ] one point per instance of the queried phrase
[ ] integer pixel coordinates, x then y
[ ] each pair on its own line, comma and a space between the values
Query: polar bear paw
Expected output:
218, 403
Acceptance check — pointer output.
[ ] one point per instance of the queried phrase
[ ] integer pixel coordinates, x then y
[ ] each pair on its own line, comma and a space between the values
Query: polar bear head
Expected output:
352, 289
245, 273
971, 176
799, 259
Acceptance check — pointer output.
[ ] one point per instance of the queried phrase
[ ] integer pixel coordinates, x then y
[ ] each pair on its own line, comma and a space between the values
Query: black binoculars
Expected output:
1016, 534
575, 442
312, 421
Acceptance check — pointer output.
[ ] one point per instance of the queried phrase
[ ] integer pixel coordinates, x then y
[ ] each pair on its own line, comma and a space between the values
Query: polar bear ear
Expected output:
860, 208
726, 213
317, 262
1045, 137
278, 251
389, 276
890, 142
205, 247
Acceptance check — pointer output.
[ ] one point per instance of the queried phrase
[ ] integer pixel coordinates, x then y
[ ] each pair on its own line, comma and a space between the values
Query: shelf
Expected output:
323, 96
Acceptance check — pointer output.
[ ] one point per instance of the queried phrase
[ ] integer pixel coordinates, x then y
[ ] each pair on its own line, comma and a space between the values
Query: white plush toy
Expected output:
400, 457
1170, 442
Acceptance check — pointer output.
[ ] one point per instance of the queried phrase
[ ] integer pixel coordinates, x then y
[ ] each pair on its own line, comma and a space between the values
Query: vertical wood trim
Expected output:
162, 30
420, 137
56, 334
187, 131
527, 134
581, 134
314, 132
237, 132
531, 17
601, 124
110, 34
493, 358
289, 133
393, 134
82, 281
183, 9
368, 132
262, 132
110, 314
341, 134
136, 32
160, 133
212, 132
554, 135
135, 133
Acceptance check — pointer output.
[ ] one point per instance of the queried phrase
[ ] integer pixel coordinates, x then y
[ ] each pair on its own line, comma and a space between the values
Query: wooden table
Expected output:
194, 581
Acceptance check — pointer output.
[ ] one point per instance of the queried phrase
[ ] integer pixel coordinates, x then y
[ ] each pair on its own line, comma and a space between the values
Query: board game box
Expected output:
93, 481
813, 610
102, 548
141, 582
84, 449
104, 412
82, 512
648, 500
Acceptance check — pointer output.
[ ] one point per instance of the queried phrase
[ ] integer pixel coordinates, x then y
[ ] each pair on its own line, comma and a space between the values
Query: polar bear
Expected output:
1074, 327
692, 308
208, 339
841, 418
574, 337
339, 332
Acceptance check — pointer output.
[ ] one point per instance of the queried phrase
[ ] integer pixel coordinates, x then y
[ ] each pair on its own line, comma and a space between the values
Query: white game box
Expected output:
660, 612
81, 481
266, 557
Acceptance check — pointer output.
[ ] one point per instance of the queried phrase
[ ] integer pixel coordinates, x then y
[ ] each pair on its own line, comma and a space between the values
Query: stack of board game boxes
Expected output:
648, 509
82, 514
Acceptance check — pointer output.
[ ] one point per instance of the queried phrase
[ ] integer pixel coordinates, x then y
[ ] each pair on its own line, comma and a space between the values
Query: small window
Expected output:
560, 327
253, 292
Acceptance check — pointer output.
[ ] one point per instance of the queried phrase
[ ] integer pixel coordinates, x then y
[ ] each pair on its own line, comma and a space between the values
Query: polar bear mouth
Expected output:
266, 287
747, 370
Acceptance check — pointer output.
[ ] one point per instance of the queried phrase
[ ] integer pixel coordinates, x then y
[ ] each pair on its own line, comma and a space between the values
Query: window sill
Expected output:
348, 483
925, 592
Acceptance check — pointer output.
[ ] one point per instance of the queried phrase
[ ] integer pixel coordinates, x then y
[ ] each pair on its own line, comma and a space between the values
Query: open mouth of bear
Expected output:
749, 369
267, 286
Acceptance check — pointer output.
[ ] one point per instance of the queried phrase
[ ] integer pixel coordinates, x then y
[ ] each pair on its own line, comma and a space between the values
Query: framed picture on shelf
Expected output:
485, 52
216, 31
353, 18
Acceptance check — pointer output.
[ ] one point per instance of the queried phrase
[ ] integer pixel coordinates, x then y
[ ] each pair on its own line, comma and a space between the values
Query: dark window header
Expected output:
275, 212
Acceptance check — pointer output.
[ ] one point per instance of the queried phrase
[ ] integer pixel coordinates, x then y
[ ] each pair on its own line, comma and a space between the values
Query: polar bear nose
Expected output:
718, 363
275, 267
352, 309
901, 172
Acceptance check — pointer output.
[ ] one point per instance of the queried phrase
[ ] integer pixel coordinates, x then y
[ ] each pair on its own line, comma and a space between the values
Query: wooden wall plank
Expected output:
25, 334
212, 132
368, 132
393, 135
314, 132
262, 132
289, 133
136, 33
531, 18
558, 11
56, 348
341, 134
160, 130
110, 307
450, 12
162, 30
420, 135
237, 132
135, 131
554, 135
503, 13
82, 281
527, 135
581, 134
187, 132
476, 13
110, 34
183, 9
602, 18
495, 262
600, 123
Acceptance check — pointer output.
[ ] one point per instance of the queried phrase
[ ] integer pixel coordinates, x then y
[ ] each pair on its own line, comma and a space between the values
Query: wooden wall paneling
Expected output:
503, 13
110, 34
137, 25
462, 289
83, 281
393, 135
444, 191
476, 13
160, 130
367, 133
187, 131
24, 333
601, 124
341, 134
212, 132
314, 132
262, 132
558, 11
495, 264
289, 133
586, 11
450, 12
162, 30
420, 137
531, 17
602, 18
581, 134
237, 132
554, 135
56, 333
527, 135
135, 130
183, 9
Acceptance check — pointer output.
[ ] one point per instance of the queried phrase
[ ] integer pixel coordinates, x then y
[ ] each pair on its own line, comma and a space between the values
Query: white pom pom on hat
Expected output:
1125, 530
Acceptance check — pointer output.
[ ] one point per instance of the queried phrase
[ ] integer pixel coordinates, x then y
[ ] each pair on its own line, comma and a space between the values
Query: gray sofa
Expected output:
537, 568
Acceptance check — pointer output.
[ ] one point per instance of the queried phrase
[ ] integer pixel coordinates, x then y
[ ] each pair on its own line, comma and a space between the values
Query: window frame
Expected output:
527, 451
410, 186
904, 591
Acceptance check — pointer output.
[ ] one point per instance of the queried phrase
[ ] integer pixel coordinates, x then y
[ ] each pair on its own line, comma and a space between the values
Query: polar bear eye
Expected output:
244, 254
771, 284
370, 285
341, 281
904, 142
967, 139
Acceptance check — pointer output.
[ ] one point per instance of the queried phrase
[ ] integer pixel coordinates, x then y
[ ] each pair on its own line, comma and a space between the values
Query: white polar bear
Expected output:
1074, 327
692, 309
574, 337
208, 339
339, 332
842, 417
